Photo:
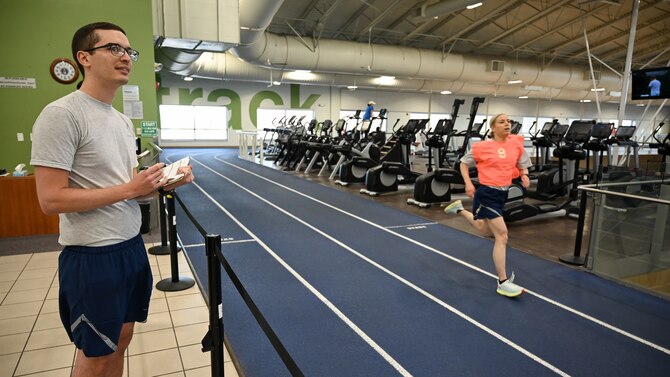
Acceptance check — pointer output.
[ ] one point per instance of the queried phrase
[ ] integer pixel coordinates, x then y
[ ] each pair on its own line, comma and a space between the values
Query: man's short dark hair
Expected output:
86, 38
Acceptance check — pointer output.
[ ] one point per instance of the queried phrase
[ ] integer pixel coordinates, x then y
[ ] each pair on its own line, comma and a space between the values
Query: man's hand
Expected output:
188, 178
148, 180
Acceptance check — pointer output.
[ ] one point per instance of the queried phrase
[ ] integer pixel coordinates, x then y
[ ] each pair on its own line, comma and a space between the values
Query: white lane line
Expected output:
471, 266
408, 283
396, 365
410, 225
222, 243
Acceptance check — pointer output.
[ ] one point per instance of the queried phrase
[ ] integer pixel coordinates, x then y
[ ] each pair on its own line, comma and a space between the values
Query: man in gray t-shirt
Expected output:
85, 170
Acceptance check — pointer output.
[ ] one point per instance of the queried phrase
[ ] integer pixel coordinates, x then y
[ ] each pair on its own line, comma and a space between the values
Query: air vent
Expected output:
587, 75
496, 66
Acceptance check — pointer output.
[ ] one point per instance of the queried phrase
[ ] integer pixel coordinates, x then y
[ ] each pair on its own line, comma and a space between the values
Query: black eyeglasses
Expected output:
118, 51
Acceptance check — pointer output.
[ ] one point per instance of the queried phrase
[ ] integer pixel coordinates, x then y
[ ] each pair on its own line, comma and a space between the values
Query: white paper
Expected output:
131, 92
133, 109
170, 172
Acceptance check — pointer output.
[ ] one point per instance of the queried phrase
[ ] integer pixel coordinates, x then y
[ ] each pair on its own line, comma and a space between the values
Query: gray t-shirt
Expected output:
96, 144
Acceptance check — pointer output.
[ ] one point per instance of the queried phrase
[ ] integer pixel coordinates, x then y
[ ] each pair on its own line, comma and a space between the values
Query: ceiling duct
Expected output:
337, 62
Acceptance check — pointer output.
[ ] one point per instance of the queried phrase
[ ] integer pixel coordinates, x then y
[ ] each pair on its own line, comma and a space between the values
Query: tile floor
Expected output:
33, 342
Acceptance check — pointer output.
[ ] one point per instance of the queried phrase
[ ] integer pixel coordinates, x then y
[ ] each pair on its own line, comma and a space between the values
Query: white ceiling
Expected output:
545, 30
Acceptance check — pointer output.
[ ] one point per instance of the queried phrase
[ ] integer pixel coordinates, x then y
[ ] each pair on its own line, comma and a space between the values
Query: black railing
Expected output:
213, 341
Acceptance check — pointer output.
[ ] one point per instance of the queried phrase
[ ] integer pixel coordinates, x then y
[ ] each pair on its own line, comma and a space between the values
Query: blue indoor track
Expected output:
355, 288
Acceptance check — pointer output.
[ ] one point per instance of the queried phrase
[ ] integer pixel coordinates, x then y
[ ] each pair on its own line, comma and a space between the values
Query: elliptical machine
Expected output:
435, 139
436, 186
516, 207
386, 177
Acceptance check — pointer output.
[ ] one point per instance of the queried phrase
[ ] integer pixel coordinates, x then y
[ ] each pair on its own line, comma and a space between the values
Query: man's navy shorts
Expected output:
101, 288
488, 202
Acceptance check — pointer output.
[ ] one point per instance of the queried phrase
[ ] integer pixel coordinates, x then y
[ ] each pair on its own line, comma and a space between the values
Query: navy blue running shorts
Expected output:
488, 202
101, 288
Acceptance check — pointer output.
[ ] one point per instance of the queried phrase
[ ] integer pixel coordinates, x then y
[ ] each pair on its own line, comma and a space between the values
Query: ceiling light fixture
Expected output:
523, 97
598, 89
584, 100
473, 6
386, 80
276, 83
445, 92
352, 87
188, 78
515, 81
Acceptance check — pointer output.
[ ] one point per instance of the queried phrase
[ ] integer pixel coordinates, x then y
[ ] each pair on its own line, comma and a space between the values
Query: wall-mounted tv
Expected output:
651, 83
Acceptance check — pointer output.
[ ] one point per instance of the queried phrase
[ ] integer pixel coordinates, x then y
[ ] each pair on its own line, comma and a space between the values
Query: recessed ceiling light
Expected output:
523, 97
515, 81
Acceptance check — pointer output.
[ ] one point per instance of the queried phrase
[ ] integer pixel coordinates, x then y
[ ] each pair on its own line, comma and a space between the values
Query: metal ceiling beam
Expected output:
398, 20
482, 21
523, 24
356, 14
308, 9
377, 19
641, 44
557, 28
419, 29
578, 38
613, 38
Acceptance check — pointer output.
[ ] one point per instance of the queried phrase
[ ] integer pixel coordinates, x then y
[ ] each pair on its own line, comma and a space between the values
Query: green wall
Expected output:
35, 32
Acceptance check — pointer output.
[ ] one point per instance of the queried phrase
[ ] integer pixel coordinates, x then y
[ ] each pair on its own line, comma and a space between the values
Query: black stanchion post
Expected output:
213, 340
163, 248
575, 258
176, 282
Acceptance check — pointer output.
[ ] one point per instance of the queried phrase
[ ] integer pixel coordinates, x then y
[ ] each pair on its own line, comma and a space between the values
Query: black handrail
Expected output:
213, 340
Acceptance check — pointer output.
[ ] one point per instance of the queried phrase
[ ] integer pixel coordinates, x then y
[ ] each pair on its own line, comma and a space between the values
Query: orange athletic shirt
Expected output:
497, 162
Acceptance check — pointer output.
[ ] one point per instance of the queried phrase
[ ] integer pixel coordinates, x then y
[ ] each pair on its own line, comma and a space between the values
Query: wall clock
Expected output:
64, 71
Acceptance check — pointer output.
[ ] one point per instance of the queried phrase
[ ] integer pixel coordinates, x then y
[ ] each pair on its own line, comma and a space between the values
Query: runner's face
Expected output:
501, 126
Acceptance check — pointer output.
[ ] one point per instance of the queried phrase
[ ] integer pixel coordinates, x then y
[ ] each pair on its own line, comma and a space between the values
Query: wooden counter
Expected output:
21, 214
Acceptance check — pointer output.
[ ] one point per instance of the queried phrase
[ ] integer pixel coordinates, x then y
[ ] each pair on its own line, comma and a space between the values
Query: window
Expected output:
273, 118
192, 123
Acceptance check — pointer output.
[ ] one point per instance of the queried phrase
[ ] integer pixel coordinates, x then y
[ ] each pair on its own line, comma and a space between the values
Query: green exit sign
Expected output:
149, 129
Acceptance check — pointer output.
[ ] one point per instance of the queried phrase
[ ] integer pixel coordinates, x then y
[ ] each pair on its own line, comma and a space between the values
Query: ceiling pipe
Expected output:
226, 66
345, 63
176, 61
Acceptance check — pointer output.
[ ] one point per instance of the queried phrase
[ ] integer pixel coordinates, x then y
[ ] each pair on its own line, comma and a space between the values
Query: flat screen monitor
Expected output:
652, 83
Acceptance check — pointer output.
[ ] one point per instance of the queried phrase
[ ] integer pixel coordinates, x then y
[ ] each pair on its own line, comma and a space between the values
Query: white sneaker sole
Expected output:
509, 294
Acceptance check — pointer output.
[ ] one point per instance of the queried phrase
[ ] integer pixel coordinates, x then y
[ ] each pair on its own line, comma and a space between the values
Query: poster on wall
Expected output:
133, 109
17, 82
132, 106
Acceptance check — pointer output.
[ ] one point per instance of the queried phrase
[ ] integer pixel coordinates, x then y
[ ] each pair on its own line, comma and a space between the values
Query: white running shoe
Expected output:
454, 207
508, 288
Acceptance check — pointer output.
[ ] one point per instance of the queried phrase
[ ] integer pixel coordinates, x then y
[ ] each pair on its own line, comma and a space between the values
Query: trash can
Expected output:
145, 208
